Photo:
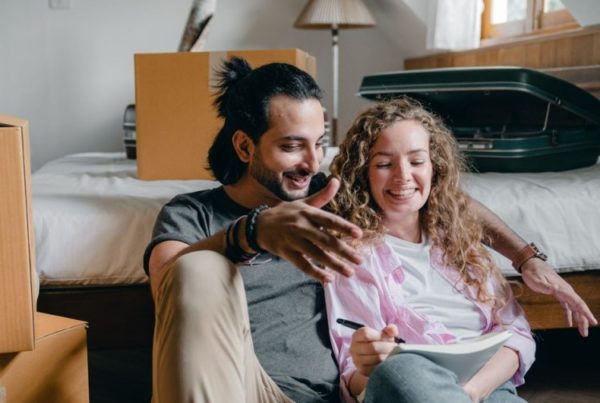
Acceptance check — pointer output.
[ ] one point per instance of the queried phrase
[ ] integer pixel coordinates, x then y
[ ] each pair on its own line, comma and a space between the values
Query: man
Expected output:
234, 325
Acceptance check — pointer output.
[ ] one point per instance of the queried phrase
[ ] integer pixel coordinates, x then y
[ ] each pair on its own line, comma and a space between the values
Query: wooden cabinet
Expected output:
580, 47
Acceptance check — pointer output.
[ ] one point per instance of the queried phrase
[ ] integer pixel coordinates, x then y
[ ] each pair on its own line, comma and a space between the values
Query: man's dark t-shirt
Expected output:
286, 307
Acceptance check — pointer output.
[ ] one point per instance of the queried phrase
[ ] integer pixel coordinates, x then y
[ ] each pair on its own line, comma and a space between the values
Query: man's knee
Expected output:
203, 274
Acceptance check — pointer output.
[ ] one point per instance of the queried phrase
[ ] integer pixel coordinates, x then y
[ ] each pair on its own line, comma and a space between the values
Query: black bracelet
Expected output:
233, 250
251, 232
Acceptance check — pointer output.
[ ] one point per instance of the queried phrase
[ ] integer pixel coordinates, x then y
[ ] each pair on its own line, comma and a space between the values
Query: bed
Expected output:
93, 219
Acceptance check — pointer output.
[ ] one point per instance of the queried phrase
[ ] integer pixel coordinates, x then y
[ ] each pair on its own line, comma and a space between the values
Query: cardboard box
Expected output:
176, 121
18, 278
56, 371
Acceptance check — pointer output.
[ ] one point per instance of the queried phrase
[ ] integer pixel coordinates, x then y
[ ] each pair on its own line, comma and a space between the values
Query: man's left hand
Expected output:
541, 278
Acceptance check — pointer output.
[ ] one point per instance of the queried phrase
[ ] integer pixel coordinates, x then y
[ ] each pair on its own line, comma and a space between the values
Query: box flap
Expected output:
47, 325
12, 121
496, 100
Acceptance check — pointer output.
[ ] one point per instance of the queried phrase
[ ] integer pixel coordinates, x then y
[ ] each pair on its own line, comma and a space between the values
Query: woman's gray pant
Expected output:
412, 378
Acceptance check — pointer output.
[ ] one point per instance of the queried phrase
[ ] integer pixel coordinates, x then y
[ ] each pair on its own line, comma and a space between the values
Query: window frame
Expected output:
536, 21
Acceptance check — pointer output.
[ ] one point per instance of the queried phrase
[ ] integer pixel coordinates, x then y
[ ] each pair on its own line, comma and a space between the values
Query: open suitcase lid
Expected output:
505, 101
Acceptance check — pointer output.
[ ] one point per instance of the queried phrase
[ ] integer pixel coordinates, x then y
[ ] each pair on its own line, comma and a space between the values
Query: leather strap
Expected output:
528, 252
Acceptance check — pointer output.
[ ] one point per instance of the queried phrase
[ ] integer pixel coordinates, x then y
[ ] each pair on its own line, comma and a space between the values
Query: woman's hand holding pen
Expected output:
369, 347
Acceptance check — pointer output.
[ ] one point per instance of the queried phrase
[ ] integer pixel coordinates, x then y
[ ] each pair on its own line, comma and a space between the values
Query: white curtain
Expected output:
454, 24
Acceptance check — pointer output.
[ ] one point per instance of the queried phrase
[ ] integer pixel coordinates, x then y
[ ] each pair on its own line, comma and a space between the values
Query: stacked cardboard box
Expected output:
175, 119
43, 358
56, 371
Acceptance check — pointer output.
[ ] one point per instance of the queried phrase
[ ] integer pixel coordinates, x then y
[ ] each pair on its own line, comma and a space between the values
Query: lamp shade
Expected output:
327, 14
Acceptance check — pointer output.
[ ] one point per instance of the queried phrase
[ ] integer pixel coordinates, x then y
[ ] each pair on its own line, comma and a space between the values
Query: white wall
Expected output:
70, 72
586, 12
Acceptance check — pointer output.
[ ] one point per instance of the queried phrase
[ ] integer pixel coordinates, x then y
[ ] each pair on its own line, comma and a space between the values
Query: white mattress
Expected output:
559, 211
93, 218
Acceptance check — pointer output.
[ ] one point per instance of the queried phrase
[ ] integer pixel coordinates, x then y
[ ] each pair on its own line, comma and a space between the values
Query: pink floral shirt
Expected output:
368, 297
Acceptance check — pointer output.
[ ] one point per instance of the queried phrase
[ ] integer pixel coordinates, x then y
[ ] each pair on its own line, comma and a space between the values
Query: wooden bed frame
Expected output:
544, 312
122, 317
118, 317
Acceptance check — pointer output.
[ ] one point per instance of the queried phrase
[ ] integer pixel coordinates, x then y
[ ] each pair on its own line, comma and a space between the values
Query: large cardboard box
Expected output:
18, 279
56, 371
176, 121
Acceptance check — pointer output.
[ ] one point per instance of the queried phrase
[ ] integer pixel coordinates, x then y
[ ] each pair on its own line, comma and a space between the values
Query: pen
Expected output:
355, 326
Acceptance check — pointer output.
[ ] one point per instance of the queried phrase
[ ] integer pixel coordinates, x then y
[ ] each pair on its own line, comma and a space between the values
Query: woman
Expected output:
426, 276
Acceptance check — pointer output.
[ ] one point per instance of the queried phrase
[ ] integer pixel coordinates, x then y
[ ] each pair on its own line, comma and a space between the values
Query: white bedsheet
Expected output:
93, 218
559, 211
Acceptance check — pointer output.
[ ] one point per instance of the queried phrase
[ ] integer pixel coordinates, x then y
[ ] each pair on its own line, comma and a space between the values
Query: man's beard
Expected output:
274, 182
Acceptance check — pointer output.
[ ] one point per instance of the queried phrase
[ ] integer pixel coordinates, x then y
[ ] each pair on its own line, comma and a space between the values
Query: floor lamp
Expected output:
334, 15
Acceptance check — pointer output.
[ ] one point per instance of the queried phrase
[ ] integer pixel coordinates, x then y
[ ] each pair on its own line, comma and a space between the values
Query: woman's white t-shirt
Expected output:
428, 293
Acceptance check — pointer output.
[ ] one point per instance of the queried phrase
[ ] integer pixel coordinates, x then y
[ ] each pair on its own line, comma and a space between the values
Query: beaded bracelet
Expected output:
233, 250
251, 232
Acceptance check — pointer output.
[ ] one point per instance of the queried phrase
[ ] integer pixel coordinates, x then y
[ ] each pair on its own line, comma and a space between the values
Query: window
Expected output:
506, 18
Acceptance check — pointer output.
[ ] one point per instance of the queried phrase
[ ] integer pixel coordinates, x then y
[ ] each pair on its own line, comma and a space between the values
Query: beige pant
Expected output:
203, 348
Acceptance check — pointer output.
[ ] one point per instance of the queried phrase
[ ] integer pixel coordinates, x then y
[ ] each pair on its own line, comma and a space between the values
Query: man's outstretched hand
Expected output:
303, 234
541, 278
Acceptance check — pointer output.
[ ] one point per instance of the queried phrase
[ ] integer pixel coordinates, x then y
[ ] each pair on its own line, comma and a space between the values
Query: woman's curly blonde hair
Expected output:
445, 217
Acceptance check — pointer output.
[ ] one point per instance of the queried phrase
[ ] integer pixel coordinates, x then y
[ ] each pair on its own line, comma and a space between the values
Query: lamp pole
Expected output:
335, 61
334, 15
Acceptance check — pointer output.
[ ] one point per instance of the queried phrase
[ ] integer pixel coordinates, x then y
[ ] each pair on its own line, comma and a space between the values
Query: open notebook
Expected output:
465, 358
